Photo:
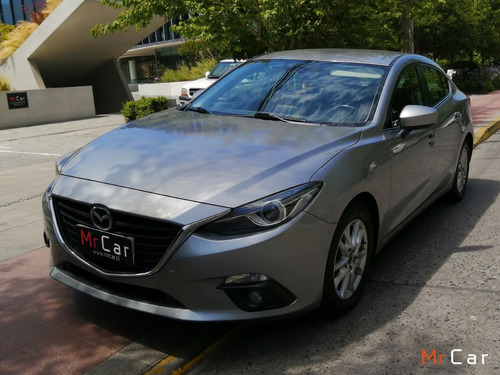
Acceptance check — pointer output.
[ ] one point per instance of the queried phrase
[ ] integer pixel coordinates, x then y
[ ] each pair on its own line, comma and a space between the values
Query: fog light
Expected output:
256, 292
255, 297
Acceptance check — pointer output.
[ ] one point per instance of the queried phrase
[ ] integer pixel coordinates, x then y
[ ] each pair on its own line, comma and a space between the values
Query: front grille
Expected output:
192, 91
152, 236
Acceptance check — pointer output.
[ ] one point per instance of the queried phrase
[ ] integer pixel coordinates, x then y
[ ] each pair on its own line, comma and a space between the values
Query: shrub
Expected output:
24, 29
144, 106
4, 84
16, 37
184, 72
5, 30
50, 5
482, 82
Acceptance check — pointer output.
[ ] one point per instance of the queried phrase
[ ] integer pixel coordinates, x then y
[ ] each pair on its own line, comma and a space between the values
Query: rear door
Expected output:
448, 133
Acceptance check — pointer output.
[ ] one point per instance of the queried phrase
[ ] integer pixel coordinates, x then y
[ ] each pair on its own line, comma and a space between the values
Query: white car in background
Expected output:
220, 69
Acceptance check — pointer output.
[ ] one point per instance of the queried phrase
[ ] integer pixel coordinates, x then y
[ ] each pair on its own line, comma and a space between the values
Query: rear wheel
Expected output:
349, 260
457, 191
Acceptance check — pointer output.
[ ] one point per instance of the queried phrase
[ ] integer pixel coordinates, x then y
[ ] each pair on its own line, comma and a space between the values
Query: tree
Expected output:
245, 28
447, 29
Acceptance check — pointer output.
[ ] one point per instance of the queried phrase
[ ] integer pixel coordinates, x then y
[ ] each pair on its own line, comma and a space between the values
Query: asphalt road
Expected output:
434, 287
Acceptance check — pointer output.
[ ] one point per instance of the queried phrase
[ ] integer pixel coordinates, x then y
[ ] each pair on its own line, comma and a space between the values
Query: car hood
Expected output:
221, 160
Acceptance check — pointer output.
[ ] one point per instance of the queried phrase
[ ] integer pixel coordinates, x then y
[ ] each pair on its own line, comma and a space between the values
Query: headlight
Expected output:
266, 213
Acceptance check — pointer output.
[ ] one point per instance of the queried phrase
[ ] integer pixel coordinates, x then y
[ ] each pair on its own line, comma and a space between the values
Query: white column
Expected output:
132, 67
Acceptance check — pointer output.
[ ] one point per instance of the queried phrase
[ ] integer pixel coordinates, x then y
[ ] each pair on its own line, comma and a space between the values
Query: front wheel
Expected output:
349, 260
457, 191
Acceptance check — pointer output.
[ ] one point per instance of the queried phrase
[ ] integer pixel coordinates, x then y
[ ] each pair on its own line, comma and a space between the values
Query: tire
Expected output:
461, 177
349, 260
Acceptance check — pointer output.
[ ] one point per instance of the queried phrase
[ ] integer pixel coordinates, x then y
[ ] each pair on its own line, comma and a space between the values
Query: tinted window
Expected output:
408, 91
308, 91
437, 84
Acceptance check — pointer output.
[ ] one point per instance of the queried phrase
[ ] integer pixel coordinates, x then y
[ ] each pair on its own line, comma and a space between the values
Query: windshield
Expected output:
292, 90
222, 67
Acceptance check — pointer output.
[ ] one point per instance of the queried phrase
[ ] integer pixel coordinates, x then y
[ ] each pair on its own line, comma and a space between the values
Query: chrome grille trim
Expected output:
153, 237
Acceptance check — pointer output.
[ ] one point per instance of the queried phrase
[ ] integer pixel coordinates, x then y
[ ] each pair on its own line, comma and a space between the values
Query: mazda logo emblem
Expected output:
101, 217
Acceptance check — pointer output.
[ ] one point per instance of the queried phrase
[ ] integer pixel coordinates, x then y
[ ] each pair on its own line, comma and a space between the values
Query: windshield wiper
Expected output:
272, 116
197, 109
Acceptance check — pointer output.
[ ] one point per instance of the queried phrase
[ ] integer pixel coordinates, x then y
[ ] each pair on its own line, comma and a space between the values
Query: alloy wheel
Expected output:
350, 260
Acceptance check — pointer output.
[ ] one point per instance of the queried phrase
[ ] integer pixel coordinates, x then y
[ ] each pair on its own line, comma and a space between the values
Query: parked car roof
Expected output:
384, 58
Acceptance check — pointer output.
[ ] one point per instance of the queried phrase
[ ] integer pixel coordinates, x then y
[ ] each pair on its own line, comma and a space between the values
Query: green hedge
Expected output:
144, 106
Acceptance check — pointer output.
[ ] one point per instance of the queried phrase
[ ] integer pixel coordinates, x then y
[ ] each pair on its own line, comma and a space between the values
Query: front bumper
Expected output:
184, 100
188, 284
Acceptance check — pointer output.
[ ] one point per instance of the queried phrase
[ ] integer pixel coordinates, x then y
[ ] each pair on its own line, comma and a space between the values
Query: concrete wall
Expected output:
110, 88
49, 105
171, 90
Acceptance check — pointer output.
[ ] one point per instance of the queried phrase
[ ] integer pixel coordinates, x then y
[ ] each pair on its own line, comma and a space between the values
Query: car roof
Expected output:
232, 60
361, 56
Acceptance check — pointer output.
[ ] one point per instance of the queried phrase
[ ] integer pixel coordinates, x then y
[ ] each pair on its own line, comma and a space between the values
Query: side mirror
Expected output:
417, 117
207, 74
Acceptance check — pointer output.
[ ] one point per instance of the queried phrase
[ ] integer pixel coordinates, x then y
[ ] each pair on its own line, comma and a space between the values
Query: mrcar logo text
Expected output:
455, 357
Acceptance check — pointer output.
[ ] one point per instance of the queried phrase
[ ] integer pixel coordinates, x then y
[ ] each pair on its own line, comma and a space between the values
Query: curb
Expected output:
194, 353
486, 131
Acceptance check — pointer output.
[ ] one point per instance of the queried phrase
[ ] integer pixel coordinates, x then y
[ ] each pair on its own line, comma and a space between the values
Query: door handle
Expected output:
431, 138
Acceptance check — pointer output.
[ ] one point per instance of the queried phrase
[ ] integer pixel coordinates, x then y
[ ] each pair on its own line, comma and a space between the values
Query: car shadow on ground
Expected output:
407, 305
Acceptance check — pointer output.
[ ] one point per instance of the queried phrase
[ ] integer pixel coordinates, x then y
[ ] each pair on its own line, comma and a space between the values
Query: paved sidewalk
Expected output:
43, 331
485, 113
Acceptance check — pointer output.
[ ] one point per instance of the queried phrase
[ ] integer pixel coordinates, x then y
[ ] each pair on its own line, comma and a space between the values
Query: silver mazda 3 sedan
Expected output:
267, 195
